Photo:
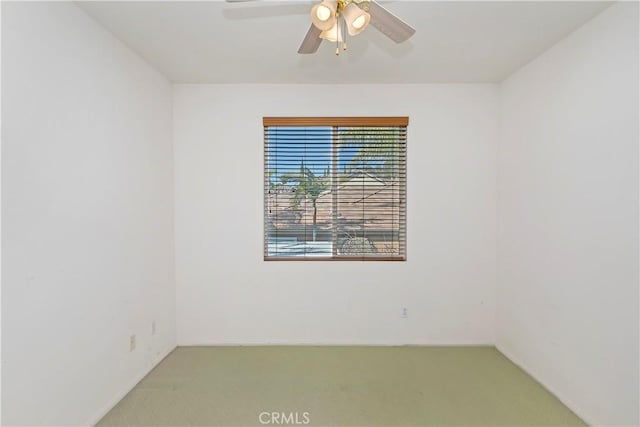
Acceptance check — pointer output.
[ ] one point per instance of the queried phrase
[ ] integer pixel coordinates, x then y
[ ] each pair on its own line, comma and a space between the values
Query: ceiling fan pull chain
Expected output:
344, 32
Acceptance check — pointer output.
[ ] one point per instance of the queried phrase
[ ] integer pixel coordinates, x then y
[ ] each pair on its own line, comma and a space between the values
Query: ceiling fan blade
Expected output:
311, 41
389, 24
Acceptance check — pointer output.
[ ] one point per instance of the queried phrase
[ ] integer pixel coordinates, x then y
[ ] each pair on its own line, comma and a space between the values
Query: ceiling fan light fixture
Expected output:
334, 34
323, 14
359, 22
356, 19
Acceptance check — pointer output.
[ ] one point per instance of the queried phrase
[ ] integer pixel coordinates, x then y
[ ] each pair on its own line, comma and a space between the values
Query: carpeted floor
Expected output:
336, 386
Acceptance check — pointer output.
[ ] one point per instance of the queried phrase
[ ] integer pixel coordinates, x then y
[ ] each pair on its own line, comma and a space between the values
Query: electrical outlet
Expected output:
405, 313
153, 327
132, 343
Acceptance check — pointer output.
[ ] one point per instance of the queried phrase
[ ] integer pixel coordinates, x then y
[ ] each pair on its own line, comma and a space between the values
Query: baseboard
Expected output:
566, 402
333, 344
123, 392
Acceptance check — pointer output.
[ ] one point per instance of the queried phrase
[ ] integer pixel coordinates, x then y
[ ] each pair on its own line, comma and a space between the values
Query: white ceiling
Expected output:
257, 42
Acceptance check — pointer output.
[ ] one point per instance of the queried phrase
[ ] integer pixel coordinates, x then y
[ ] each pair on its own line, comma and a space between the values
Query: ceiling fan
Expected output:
333, 20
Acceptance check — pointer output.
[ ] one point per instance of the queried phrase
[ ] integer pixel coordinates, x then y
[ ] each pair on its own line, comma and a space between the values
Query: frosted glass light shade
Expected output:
333, 34
359, 22
323, 14
356, 19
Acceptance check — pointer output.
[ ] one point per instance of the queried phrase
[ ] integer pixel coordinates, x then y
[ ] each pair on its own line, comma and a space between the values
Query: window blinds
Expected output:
335, 188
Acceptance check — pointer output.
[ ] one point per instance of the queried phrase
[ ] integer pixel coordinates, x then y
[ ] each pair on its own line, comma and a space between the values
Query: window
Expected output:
335, 188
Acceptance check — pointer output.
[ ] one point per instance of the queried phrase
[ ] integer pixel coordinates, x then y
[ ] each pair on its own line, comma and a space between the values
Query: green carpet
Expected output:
365, 386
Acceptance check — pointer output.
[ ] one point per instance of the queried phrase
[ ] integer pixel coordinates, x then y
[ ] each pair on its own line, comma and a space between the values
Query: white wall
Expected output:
567, 301
87, 190
226, 294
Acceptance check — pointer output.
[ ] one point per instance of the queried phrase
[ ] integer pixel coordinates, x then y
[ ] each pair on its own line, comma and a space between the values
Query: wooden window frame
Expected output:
336, 122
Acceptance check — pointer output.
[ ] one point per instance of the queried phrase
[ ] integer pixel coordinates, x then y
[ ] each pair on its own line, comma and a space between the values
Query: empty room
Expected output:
324, 212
